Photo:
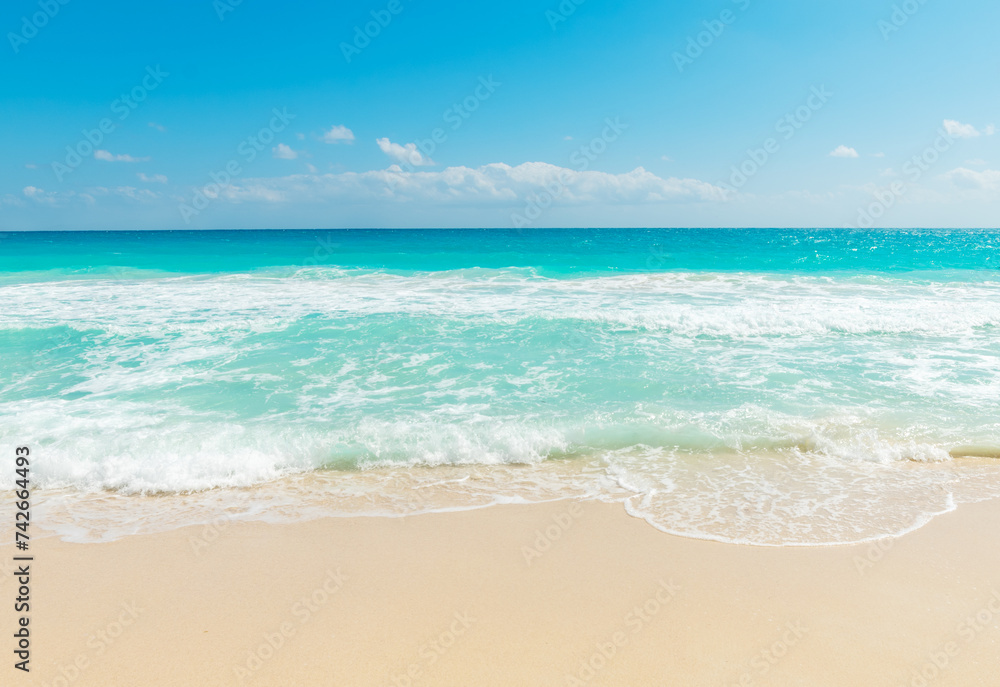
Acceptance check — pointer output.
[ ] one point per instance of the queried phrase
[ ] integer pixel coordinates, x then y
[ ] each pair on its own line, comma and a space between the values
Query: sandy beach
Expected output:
522, 344
564, 593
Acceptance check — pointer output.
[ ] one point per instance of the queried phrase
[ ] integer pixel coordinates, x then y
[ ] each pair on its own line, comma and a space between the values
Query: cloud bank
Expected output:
492, 184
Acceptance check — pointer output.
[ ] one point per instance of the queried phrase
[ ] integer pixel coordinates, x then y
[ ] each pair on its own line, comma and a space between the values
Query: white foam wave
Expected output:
715, 305
742, 407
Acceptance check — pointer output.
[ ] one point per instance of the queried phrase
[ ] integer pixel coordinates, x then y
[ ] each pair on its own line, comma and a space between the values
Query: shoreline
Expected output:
558, 593
891, 501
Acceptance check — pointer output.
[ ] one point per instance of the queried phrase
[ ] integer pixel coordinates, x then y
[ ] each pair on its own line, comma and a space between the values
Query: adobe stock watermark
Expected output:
210, 532
874, 553
122, 106
98, 642
30, 26
562, 13
224, 7
544, 539
324, 250
703, 40
914, 169
789, 125
764, 661
364, 35
901, 14
581, 160
454, 117
968, 630
431, 652
302, 610
634, 621
248, 150
658, 258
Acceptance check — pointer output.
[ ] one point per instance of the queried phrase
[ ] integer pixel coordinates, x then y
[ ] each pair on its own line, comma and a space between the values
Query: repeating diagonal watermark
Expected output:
967, 631
764, 661
454, 117
544, 539
98, 643
366, 33
901, 14
303, 610
874, 553
540, 201
787, 127
247, 151
122, 107
703, 40
565, 10
210, 532
224, 7
325, 248
31, 25
914, 169
432, 651
633, 623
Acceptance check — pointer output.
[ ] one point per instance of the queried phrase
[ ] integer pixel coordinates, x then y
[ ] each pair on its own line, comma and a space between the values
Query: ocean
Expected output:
768, 387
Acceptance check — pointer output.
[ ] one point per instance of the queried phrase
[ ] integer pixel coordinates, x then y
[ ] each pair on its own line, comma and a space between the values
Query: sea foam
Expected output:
766, 408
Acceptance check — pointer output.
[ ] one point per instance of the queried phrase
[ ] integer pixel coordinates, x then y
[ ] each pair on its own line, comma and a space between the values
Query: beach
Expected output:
561, 593
480, 457
563, 344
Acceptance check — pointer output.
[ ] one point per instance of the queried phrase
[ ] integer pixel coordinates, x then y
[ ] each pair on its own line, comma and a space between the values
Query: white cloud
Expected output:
496, 185
30, 165
567, 138
312, 169
154, 179
987, 180
404, 153
108, 157
959, 130
878, 154
39, 194
131, 192
62, 198
338, 134
843, 151
158, 127
666, 158
283, 152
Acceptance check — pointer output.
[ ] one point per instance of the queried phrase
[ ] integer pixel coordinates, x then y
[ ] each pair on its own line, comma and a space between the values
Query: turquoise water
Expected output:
764, 386
554, 252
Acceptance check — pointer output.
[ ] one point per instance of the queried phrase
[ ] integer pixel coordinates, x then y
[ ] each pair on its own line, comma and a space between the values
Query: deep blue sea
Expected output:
758, 386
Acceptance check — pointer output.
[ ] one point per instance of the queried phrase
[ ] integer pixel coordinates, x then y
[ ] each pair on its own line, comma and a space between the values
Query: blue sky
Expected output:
530, 113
